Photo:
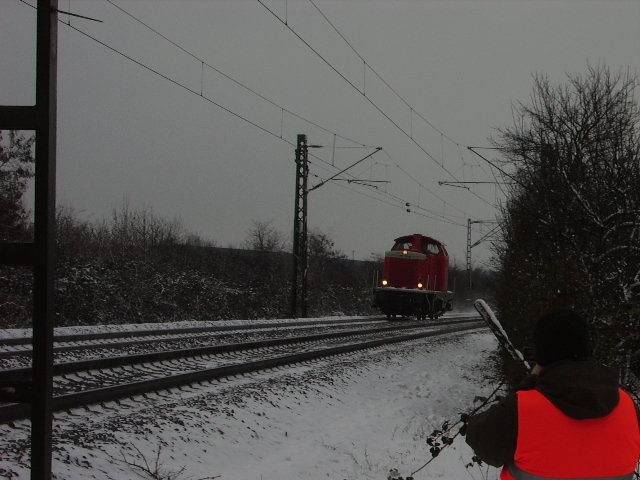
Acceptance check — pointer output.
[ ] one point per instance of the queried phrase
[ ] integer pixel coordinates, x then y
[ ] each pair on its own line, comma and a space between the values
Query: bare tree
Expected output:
143, 228
264, 237
571, 223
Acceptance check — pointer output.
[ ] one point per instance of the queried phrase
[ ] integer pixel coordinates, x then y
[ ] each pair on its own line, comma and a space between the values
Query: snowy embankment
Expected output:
350, 417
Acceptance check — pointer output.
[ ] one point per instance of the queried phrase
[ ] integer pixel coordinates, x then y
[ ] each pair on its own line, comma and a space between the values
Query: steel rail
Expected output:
169, 337
134, 341
64, 402
23, 374
79, 337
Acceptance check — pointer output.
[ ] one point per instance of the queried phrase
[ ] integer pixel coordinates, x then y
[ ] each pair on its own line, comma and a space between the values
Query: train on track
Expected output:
414, 279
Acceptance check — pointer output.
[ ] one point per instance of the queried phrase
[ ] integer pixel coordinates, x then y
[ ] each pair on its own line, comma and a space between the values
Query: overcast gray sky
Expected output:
445, 73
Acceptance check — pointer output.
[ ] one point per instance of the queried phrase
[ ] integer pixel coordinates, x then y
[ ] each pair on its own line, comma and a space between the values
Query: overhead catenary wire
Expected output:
200, 94
400, 202
501, 170
203, 62
166, 77
282, 109
390, 199
363, 93
189, 89
395, 92
397, 165
405, 203
412, 111
375, 192
262, 128
492, 173
175, 82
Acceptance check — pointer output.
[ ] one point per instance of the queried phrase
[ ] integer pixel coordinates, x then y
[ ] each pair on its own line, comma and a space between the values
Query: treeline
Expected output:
571, 222
138, 267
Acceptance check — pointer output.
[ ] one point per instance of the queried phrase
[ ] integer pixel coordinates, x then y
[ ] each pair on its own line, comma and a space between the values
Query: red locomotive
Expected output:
414, 279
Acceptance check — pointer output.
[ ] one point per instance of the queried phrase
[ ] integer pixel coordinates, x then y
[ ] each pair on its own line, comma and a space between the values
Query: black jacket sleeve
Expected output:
493, 434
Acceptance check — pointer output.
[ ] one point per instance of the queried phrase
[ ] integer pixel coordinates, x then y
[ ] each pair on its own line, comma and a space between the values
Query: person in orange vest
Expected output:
567, 419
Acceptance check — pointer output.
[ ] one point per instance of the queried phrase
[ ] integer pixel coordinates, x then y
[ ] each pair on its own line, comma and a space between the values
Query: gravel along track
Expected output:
16, 352
90, 386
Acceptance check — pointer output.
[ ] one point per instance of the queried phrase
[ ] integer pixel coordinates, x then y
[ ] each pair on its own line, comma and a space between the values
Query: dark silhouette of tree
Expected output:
322, 246
16, 168
264, 237
571, 223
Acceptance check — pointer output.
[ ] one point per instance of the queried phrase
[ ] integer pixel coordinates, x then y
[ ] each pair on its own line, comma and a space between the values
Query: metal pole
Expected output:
304, 236
44, 242
469, 253
300, 227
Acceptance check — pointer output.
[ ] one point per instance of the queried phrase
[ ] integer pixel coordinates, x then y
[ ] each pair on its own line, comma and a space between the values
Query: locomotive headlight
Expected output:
405, 252
384, 283
420, 285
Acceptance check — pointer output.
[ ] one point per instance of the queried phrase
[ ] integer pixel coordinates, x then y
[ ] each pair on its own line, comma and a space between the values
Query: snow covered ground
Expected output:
352, 417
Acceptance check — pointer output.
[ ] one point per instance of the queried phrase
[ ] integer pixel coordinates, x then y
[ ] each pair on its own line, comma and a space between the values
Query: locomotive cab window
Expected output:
432, 248
403, 245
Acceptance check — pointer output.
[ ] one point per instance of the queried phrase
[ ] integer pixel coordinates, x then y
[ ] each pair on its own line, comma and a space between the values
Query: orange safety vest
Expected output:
552, 445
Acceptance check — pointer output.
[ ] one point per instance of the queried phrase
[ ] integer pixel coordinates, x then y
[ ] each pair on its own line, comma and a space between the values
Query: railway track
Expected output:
21, 346
16, 352
86, 382
81, 337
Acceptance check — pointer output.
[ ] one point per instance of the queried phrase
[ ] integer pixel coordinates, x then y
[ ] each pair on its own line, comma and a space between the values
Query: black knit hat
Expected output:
561, 335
